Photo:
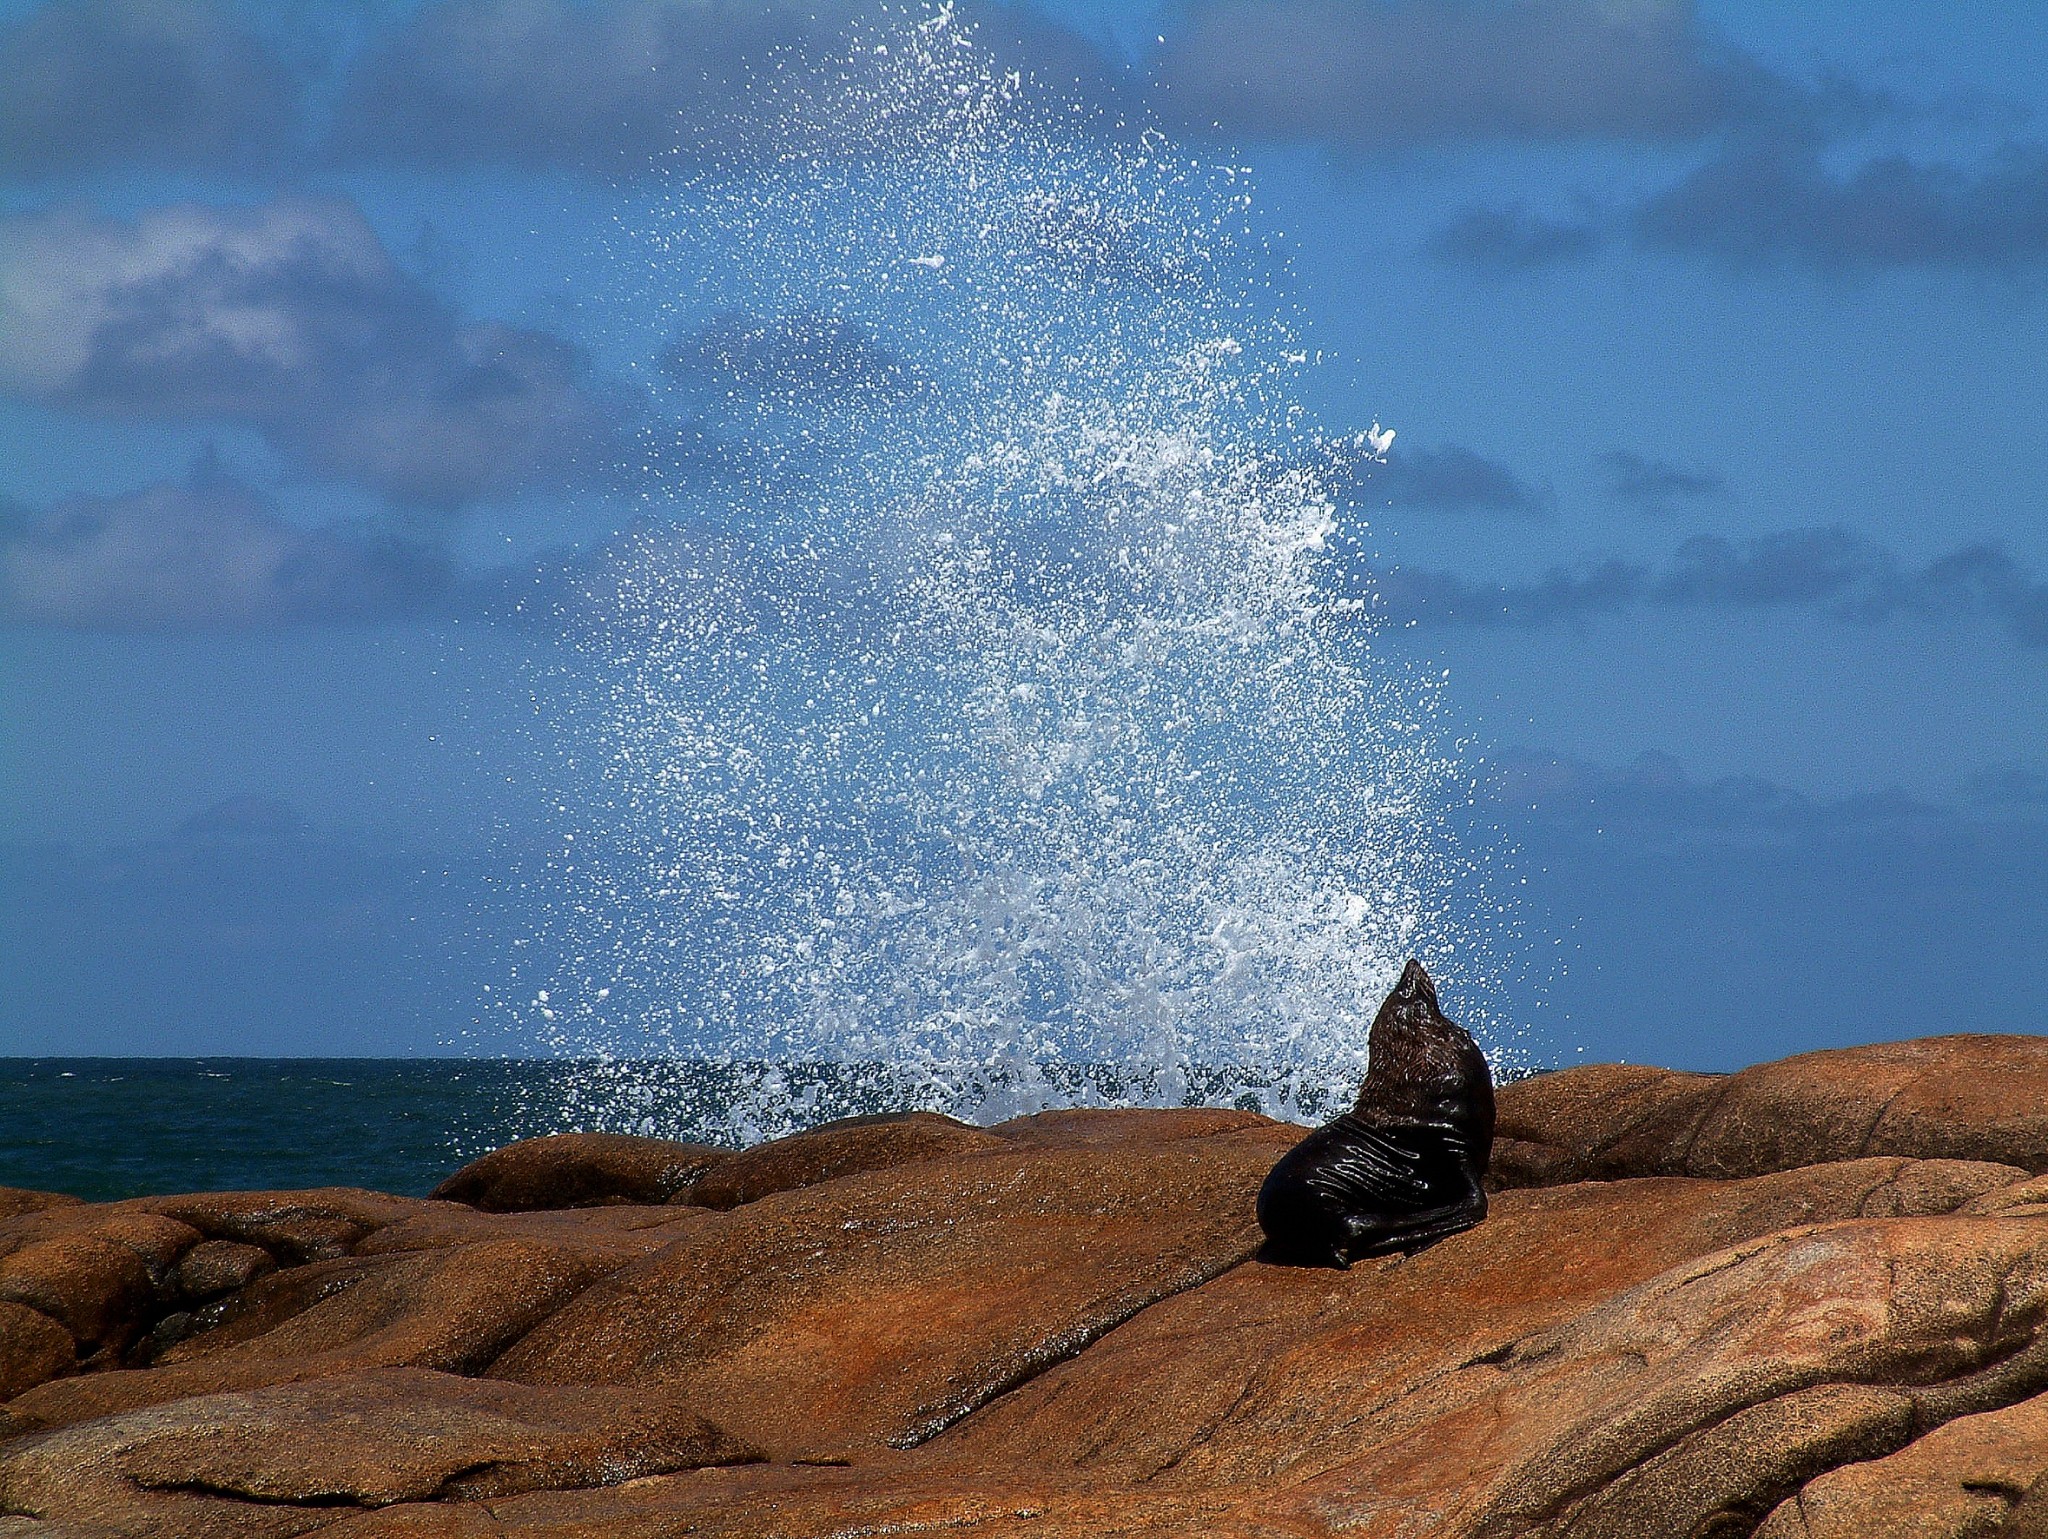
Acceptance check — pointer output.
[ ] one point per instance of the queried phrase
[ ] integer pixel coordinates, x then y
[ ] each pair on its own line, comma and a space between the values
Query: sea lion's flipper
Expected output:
1375, 1234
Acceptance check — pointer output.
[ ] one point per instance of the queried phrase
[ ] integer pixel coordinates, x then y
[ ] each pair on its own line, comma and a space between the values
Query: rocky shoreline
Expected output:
1805, 1301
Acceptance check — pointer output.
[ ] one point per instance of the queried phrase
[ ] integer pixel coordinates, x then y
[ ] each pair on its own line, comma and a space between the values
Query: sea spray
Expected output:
979, 719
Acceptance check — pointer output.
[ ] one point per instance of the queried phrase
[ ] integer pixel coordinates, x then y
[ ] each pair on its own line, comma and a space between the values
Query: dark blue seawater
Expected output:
121, 1127
105, 1128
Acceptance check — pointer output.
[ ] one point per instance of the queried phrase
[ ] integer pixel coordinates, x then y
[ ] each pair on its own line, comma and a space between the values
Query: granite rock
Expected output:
580, 1170
1805, 1301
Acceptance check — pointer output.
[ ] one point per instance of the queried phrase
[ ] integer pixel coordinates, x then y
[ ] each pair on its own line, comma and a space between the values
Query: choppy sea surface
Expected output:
106, 1128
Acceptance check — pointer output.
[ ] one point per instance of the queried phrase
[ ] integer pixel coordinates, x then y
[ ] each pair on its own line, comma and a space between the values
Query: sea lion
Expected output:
1402, 1168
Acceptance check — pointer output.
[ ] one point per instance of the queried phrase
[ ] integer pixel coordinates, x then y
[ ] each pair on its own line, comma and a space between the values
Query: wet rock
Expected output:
214, 1267
878, 1309
580, 1170
220, 1464
844, 1148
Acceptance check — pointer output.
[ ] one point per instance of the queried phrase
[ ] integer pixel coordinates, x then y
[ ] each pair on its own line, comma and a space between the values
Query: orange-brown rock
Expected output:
452, 1309
1263, 1349
844, 1148
214, 1267
17, 1200
1963, 1479
99, 1271
615, 1232
212, 1465
33, 1348
580, 1170
1596, 1122
1960, 1097
1058, 1328
294, 1227
1099, 1126
880, 1308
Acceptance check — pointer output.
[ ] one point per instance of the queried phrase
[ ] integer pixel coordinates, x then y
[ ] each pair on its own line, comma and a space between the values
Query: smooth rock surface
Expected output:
1958, 1097
362, 1440
848, 1147
1963, 1479
877, 1309
1823, 1312
33, 1348
580, 1170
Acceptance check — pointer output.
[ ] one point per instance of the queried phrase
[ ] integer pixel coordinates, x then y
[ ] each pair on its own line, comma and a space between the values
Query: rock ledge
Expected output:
1805, 1301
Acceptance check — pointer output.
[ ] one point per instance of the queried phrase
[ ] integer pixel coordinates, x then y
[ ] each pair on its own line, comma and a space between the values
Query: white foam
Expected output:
1011, 727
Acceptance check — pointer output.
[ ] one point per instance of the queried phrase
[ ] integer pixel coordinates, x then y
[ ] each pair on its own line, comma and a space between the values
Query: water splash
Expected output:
971, 724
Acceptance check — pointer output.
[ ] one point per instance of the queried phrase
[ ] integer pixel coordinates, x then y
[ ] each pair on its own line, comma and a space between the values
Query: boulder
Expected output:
294, 1227
285, 1459
452, 1309
101, 1272
1596, 1122
1976, 1475
580, 1170
835, 1149
33, 1348
17, 1200
875, 1310
1960, 1097
214, 1267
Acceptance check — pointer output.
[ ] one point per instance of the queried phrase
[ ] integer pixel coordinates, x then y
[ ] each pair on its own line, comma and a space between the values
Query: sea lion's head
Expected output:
1420, 1062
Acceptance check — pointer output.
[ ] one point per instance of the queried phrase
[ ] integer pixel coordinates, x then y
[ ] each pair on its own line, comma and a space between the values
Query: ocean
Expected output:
104, 1128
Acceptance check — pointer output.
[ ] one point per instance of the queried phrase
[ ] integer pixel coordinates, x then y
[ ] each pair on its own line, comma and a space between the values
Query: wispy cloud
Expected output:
1654, 798
614, 88
1777, 201
1378, 75
205, 553
291, 318
1564, 595
1655, 485
548, 82
1450, 479
167, 83
1830, 572
1513, 239
2009, 786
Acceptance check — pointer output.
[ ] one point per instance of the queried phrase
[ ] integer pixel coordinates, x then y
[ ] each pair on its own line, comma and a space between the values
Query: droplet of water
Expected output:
974, 723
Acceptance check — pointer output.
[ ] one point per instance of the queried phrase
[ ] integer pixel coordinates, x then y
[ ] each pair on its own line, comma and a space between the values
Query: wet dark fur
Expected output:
1402, 1168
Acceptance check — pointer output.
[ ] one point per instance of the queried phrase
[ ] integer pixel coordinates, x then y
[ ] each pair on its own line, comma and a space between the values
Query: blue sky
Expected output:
1712, 335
